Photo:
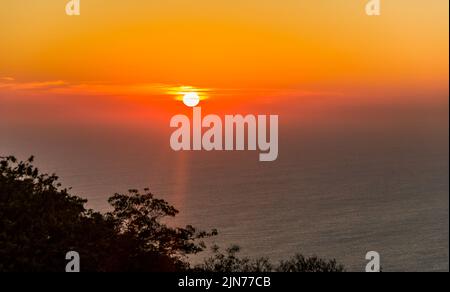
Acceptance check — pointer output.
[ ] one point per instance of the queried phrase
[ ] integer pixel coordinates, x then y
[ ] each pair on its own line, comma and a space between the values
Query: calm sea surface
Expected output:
338, 190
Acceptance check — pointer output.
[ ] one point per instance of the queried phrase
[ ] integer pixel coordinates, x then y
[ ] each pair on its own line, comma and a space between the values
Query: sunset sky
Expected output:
361, 105
246, 50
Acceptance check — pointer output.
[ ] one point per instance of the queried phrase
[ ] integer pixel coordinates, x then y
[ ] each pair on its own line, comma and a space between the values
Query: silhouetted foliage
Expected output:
230, 262
139, 216
299, 263
40, 222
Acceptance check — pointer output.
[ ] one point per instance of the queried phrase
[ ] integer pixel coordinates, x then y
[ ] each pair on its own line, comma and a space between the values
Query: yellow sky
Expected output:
328, 45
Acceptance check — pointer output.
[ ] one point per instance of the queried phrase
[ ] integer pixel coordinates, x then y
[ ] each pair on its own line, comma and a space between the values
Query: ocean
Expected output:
355, 182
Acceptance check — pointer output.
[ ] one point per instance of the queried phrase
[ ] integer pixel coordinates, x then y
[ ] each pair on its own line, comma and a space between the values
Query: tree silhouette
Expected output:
40, 222
231, 262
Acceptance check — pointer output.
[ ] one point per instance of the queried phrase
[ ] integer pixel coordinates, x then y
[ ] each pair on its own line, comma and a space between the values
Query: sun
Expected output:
190, 95
191, 99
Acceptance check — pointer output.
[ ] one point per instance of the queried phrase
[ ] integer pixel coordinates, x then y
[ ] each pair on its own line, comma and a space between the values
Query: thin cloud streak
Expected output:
64, 88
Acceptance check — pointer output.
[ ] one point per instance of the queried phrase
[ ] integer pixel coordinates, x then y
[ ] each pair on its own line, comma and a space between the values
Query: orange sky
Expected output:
252, 50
